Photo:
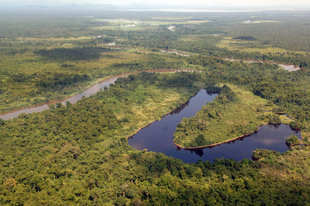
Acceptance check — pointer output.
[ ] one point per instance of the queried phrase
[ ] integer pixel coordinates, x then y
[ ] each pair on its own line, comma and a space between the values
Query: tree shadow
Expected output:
72, 54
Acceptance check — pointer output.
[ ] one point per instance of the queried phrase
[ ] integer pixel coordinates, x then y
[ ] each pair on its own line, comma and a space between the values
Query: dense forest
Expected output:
78, 154
51, 58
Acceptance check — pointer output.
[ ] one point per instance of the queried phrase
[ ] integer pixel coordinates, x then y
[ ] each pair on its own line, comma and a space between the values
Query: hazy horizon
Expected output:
163, 5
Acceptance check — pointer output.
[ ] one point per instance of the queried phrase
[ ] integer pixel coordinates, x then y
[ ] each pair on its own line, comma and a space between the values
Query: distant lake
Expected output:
158, 136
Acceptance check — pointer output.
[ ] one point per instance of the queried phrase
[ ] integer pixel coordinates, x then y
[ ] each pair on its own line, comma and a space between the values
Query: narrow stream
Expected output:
158, 136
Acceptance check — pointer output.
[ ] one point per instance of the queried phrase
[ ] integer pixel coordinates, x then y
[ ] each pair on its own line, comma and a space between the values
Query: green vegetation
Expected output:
234, 113
69, 54
140, 25
45, 75
295, 125
292, 141
273, 119
249, 45
264, 153
79, 155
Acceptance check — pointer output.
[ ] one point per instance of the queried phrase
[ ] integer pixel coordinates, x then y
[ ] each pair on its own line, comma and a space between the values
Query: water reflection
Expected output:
158, 136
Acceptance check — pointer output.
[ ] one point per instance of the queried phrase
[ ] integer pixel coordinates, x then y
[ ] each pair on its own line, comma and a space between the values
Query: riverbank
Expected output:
160, 118
97, 85
216, 144
158, 136
236, 113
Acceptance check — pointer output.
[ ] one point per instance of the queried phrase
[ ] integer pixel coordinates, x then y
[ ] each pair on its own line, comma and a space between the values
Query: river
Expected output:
158, 136
91, 91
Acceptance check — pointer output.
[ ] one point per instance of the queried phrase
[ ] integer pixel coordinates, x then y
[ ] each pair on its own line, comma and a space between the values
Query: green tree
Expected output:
292, 141
200, 140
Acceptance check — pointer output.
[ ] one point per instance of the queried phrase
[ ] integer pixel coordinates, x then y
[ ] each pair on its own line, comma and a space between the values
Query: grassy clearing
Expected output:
254, 47
172, 18
220, 120
44, 75
157, 23
138, 25
289, 166
159, 102
260, 21
26, 71
125, 28
32, 39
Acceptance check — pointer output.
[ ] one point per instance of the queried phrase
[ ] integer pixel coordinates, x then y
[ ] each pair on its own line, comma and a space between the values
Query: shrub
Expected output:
9, 183
200, 140
274, 119
264, 153
226, 95
295, 125
292, 141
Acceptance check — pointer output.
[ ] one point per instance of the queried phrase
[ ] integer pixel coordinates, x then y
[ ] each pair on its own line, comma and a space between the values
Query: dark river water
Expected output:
158, 136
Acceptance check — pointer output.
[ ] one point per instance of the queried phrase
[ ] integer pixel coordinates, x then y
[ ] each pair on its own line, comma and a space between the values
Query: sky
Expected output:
281, 4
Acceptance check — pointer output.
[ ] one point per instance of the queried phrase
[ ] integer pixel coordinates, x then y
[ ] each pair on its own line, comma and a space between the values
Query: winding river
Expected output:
39, 108
106, 83
158, 136
91, 91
